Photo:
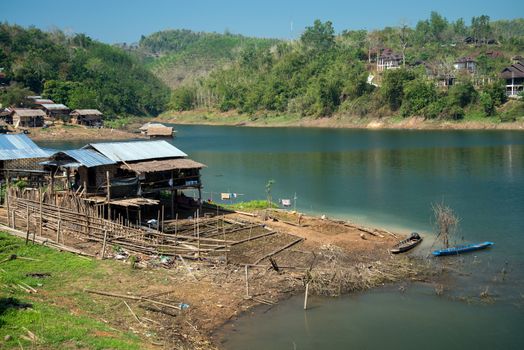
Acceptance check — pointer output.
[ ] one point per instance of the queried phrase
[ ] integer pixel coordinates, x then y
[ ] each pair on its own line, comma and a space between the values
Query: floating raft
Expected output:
462, 249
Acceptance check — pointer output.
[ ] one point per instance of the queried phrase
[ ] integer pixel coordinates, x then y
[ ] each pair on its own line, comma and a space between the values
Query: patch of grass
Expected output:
249, 205
60, 314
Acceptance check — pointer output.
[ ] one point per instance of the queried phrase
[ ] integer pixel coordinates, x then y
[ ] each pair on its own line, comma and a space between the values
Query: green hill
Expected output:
77, 71
178, 57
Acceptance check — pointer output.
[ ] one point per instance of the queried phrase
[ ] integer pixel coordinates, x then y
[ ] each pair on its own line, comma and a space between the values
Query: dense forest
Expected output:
76, 71
322, 73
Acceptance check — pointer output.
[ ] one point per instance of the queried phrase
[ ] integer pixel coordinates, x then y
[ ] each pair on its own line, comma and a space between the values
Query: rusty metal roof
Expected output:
137, 150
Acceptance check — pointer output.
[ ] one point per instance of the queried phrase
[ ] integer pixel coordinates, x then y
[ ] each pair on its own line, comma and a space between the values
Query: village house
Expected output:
388, 60
38, 101
6, 115
465, 64
514, 77
27, 118
21, 157
87, 117
56, 111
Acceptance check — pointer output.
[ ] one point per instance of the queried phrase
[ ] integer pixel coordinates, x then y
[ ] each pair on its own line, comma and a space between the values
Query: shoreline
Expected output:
347, 259
335, 122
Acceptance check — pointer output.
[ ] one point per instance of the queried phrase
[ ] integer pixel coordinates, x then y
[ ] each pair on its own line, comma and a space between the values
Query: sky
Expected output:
114, 21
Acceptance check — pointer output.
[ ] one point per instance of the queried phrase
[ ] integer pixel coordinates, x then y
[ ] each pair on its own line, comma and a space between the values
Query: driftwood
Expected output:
278, 250
133, 297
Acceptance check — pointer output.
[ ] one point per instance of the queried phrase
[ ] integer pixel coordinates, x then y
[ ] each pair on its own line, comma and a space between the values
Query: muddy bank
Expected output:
338, 121
334, 257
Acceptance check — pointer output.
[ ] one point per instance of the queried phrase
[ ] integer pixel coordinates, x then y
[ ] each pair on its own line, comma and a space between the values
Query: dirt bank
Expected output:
338, 121
67, 132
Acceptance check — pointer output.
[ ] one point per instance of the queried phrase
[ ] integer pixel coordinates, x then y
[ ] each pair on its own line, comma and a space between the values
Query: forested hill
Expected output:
179, 57
76, 71
323, 73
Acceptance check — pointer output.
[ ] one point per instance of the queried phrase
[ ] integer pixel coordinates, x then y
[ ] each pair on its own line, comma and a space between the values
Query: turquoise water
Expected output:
385, 178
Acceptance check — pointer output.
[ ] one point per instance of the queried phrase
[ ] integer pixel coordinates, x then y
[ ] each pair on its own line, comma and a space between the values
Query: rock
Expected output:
8, 338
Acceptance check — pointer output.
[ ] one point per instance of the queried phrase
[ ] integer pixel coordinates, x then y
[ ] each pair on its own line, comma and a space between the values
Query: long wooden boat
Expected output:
409, 243
462, 249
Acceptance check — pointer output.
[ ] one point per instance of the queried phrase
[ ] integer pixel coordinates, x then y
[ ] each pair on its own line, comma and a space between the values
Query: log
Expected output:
133, 297
278, 250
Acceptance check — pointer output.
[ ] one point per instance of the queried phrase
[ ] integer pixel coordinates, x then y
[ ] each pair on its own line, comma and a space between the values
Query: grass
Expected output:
249, 205
60, 314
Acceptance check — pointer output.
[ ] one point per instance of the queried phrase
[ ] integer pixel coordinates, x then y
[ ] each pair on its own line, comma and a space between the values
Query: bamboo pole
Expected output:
247, 282
104, 244
305, 296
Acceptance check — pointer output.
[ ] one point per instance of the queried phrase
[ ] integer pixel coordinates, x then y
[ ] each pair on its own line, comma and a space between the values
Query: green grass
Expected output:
249, 205
61, 315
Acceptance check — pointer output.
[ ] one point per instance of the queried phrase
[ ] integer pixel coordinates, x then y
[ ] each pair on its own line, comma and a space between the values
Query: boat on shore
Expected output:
462, 249
409, 243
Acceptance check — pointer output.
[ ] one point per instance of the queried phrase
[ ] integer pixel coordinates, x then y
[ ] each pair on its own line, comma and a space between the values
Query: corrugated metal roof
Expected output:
137, 150
19, 146
58, 106
88, 157
86, 112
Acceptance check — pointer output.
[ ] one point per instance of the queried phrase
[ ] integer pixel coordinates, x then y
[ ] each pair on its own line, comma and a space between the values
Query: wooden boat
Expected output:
462, 249
409, 243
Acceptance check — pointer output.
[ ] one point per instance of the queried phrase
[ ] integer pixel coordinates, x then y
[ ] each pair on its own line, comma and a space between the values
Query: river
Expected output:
390, 179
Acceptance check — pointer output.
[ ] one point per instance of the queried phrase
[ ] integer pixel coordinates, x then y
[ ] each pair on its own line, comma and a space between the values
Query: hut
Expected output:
389, 60
27, 118
466, 64
156, 130
155, 167
56, 111
87, 117
21, 157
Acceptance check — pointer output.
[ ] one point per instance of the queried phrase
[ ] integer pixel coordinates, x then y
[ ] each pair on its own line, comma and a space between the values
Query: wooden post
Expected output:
158, 222
41, 219
27, 224
305, 296
163, 219
198, 234
247, 283
58, 226
108, 196
13, 214
7, 200
139, 216
104, 243
176, 224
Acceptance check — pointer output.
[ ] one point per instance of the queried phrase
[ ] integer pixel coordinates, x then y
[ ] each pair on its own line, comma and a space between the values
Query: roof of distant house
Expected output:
19, 146
41, 101
86, 112
516, 70
465, 59
26, 112
137, 150
55, 106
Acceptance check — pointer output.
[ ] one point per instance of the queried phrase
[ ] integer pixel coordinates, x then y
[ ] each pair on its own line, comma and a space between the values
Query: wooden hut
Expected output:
56, 111
27, 118
87, 117
514, 77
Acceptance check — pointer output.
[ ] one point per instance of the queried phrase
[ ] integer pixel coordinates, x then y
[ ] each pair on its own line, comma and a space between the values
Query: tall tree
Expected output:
319, 37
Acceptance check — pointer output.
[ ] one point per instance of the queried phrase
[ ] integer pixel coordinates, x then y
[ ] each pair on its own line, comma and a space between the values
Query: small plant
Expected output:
269, 186
446, 222
133, 260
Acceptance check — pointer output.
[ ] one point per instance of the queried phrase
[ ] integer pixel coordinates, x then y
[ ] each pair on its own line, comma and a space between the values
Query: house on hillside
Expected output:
56, 111
38, 101
388, 60
87, 117
465, 64
27, 118
21, 157
514, 77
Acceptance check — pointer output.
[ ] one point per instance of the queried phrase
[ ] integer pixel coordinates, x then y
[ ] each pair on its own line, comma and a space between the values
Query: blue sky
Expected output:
125, 21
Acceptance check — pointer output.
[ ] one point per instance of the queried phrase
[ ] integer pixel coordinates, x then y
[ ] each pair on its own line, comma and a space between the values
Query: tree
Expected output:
320, 37
462, 94
269, 186
446, 222
14, 96
403, 35
438, 25
392, 88
481, 28
418, 94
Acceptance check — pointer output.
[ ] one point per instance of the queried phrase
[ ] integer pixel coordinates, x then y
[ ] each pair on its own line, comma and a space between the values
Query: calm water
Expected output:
390, 179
